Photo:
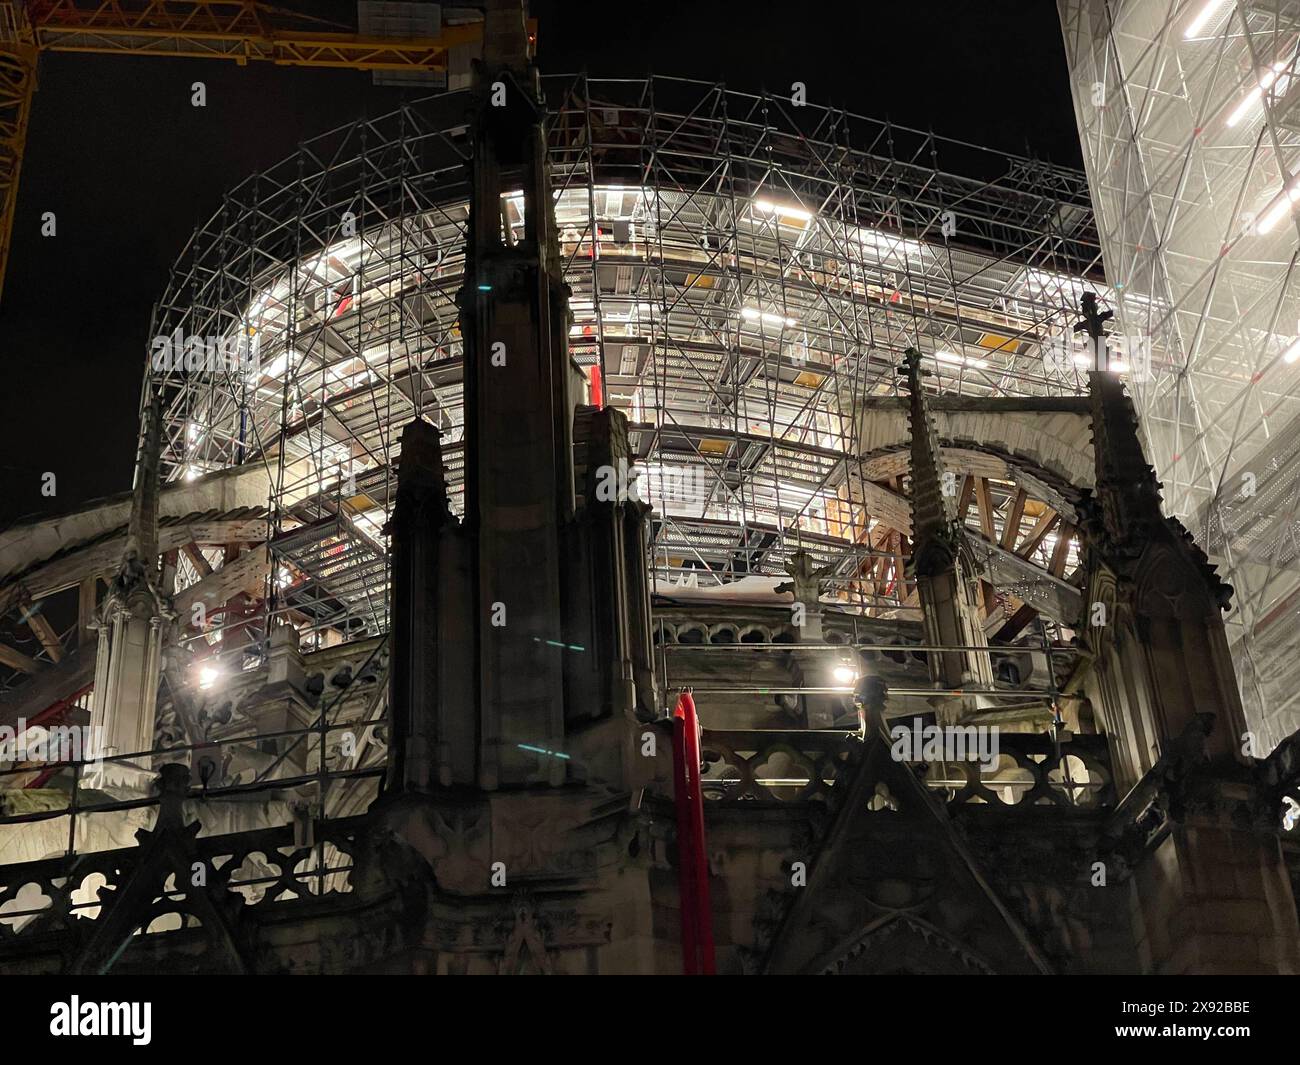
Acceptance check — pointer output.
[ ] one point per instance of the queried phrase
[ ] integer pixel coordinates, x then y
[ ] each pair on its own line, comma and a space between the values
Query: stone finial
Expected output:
1094, 319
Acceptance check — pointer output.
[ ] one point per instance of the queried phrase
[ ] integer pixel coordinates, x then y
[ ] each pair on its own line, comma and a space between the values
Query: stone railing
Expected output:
1029, 773
745, 623
801, 766
261, 868
776, 766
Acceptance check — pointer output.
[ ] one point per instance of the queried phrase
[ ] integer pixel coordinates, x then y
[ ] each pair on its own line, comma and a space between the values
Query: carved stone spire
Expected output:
425, 750
1149, 585
935, 534
941, 561
1127, 489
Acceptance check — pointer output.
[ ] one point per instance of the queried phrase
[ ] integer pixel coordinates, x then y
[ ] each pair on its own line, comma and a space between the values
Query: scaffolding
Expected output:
1189, 115
745, 274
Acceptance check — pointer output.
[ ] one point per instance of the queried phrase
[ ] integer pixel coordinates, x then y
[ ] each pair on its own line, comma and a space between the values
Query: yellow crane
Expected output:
239, 30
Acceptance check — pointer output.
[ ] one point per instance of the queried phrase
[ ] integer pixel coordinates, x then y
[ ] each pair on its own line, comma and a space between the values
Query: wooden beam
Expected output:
17, 660
985, 506
1011, 526
1046, 493
861, 536
884, 503
964, 500
867, 568
197, 560
989, 596
1015, 625
228, 588
1047, 521
1061, 552
882, 544
966, 460
41, 628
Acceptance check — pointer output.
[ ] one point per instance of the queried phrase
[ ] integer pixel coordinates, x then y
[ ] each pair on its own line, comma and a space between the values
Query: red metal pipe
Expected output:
703, 899
685, 849
597, 389
56, 709
686, 721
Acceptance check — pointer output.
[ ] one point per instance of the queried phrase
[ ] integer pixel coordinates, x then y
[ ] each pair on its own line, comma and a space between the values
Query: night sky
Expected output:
129, 167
